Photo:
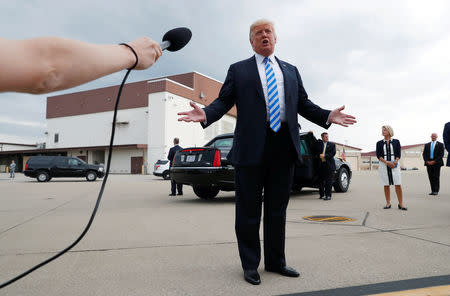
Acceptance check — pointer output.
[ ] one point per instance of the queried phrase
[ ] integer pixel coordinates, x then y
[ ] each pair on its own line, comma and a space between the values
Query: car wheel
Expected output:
91, 176
206, 192
42, 176
166, 175
342, 181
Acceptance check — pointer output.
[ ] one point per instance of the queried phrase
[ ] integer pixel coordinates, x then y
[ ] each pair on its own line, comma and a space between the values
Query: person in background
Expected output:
171, 157
327, 151
12, 169
446, 137
433, 153
389, 153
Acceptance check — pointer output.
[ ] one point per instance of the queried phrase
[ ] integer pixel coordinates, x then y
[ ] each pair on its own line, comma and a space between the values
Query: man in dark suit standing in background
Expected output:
447, 141
327, 151
171, 156
268, 94
433, 153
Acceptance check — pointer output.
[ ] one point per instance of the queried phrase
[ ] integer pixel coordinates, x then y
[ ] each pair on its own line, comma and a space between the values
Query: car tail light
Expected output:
193, 149
217, 159
157, 166
26, 166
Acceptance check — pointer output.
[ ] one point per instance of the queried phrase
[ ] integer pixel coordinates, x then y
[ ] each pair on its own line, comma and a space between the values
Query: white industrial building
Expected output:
79, 124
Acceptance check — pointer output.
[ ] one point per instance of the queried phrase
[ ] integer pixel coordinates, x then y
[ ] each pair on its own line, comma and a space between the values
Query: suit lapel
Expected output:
286, 77
254, 73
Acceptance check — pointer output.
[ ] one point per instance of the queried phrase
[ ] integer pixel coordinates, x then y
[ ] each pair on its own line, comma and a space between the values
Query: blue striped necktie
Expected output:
432, 150
272, 94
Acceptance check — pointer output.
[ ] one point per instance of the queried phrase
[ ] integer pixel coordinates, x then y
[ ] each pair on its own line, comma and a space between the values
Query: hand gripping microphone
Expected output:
173, 40
176, 39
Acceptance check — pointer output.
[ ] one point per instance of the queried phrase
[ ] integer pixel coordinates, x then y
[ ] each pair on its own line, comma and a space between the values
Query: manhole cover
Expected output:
328, 218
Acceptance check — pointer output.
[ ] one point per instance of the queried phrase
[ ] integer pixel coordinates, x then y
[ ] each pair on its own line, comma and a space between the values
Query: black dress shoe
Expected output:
172, 194
320, 197
252, 276
402, 208
431, 193
387, 207
327, 198
285, 270
180, 193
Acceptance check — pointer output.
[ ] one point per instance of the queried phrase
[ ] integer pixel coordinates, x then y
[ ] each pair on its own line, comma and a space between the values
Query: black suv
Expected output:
44, 168
208, 171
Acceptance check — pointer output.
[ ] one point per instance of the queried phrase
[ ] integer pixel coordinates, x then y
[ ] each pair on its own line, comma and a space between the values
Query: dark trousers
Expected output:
434, 173
179, 187
275, 175
326, 180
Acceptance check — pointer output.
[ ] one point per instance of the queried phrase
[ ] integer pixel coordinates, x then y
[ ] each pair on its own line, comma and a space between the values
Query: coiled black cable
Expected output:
91, 219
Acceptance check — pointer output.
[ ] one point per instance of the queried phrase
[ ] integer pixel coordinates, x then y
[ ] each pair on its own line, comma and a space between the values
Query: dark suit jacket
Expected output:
242, 87
447, 140
437, 155
330, 152
172, 152
395, 145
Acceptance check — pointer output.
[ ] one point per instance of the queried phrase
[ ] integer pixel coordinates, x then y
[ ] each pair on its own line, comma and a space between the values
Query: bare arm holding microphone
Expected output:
47, 64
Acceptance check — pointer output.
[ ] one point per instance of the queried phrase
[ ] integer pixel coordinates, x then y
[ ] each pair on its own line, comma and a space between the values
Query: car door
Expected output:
224, 145
307, 172
76, 167
60, 167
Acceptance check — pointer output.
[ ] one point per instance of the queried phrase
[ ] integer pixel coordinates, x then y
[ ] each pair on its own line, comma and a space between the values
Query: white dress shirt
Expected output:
280, 82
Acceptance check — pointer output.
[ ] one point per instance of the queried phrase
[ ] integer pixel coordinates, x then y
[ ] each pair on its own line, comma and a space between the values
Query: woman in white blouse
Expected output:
389, 153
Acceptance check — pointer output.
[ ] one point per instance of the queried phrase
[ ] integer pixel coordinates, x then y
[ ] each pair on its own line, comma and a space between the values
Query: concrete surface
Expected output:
144, 242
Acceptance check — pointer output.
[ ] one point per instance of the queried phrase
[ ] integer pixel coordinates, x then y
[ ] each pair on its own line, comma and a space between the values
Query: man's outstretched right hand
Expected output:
195, 115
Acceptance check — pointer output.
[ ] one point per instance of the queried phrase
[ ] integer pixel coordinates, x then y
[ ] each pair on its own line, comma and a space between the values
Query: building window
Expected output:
56, 138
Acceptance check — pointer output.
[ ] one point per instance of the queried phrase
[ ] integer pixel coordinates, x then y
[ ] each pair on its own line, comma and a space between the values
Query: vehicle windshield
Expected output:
223, 143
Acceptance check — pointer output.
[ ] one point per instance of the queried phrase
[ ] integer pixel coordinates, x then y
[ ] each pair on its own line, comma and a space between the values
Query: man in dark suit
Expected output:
268, 94
171, 156
327, 151
433, 153
447, 141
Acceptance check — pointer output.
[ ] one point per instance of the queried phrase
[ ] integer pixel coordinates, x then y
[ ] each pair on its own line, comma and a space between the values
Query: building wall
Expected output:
163, 126
95, 129
411, 159
156, 128
121, 160
352, 156
12, 147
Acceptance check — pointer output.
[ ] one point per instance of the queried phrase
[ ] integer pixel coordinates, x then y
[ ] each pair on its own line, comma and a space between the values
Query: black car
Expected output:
44, 168
208, 171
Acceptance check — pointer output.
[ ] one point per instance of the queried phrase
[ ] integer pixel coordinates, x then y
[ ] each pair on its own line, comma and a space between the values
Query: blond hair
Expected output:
259, 23
389, 129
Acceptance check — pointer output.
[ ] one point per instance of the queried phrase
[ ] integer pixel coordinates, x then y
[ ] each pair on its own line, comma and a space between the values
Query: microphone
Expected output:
176, 39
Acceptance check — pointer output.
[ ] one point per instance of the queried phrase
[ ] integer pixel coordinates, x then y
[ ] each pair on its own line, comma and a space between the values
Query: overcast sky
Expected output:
387, 61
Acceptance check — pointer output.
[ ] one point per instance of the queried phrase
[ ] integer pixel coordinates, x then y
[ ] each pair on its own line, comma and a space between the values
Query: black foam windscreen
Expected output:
178, 38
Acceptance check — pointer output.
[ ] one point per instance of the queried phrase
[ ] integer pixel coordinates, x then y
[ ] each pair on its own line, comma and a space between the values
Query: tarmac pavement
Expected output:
144, 242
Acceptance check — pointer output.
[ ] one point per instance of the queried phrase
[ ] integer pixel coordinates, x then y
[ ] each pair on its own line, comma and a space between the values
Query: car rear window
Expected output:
162, 161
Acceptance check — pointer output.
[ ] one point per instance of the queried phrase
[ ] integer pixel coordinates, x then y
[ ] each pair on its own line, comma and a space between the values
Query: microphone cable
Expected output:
100, 194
